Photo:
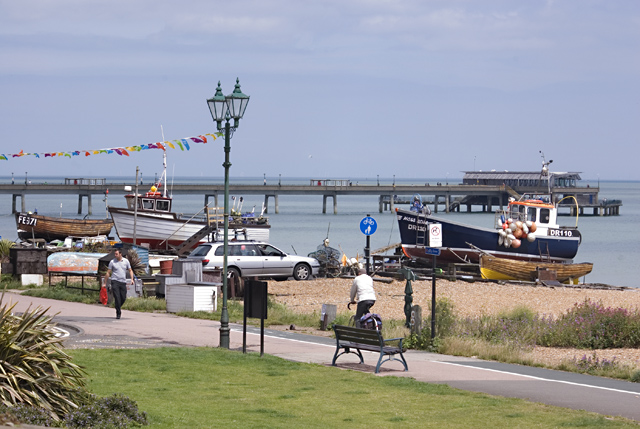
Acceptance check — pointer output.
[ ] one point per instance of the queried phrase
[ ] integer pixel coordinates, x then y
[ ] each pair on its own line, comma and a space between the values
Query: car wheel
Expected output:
235, 281
302, 272
233, 272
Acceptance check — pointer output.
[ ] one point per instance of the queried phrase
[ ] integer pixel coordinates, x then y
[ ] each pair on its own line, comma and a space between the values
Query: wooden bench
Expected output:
350, 339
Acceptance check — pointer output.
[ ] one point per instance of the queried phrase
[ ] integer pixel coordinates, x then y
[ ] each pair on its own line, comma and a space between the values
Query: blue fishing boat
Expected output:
526, 230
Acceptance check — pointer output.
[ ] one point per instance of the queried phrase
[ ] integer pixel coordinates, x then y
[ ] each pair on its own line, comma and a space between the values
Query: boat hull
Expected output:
53, 228
164, 232
465, 243
508, 269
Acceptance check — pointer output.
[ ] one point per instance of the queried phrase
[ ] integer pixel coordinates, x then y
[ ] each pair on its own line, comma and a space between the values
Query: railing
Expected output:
330, 182
84, 181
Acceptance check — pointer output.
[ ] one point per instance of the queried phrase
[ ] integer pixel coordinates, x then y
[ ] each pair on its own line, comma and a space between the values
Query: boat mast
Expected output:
164, 167
545, 173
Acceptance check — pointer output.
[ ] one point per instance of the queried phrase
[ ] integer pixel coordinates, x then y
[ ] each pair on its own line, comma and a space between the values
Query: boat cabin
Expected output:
543, 214
149, 202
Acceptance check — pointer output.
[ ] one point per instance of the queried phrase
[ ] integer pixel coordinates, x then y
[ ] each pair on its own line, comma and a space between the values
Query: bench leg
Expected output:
380, 361
346, 350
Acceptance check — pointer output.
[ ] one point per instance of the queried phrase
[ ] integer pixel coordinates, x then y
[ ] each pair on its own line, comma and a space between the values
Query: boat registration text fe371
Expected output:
27, 220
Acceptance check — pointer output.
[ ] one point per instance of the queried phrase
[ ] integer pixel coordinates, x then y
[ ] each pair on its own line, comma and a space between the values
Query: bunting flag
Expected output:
122, 151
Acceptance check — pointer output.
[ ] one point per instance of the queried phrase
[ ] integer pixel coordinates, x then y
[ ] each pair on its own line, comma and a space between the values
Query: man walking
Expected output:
117, 271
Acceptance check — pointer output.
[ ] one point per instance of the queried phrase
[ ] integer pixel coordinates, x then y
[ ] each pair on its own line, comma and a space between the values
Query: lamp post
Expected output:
223, 109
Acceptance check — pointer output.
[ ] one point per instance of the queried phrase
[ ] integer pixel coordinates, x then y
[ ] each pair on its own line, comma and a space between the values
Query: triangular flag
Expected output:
179, 144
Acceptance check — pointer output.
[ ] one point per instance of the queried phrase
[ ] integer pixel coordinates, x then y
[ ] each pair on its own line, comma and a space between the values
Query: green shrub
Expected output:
116, 411
5, 247
445, 326
61, 293
35, 369
23, 413
590, 325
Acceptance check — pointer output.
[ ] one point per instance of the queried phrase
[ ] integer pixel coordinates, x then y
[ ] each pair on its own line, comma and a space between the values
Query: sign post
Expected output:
368, 226
435, 242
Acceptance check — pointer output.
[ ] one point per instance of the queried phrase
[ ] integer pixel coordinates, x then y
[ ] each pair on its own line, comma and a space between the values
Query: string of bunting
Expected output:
182, 144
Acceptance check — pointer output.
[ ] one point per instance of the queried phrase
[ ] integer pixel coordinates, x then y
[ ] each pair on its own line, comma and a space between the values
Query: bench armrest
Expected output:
399, 340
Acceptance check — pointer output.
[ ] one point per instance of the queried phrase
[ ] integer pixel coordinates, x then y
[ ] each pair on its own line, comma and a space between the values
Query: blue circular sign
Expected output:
368, 225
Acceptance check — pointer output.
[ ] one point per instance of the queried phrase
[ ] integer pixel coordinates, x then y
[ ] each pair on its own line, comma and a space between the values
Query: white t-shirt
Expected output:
363, 287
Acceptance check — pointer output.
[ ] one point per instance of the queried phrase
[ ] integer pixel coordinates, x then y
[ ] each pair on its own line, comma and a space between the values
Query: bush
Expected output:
5, 249
116, 411
35, 369
590, 325
445, 326
518, 327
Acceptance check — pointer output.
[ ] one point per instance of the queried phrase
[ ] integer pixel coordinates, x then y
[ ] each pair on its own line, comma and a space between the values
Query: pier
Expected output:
439, 196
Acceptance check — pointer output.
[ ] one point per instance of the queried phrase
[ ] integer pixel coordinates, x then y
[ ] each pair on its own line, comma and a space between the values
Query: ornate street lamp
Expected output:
223, 109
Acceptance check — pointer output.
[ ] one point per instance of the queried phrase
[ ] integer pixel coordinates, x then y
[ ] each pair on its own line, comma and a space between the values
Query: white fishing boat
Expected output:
148, 220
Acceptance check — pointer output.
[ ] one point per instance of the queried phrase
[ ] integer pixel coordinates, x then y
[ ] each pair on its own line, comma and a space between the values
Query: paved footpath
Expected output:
95, 326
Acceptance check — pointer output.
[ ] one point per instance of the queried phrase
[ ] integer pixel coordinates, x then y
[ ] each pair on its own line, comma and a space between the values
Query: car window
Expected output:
269, 250
201, 251
246, 250
219, 251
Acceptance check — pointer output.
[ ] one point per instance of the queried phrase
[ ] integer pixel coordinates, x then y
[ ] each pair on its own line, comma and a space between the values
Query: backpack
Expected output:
371, 321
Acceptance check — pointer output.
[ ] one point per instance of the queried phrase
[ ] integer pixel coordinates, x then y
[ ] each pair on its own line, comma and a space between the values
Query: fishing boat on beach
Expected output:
31, 225
527, 230
494, 268
148, 220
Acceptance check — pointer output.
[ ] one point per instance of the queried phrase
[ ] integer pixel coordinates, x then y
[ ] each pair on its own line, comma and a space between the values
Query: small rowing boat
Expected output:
31, 225
494, 268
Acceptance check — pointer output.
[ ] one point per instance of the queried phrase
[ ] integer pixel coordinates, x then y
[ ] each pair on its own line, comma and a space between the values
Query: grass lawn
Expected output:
210, 387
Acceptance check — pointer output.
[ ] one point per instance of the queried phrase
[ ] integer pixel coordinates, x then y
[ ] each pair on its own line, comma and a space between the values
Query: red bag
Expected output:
104, 296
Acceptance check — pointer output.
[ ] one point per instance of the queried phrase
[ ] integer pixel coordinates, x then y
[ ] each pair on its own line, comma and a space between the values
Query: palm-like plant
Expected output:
5, 246
136, 263
34, 369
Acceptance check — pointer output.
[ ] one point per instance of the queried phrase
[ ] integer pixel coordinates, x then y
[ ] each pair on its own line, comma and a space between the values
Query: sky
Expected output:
339, 89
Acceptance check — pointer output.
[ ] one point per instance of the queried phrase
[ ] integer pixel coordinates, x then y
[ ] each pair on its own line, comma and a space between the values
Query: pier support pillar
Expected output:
324, 203
13, 202
447, 202
89, 207
275, 202
215, 200
489, 204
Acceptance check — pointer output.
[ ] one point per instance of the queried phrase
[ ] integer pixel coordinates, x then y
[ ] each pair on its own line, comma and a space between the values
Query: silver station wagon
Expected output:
256, 259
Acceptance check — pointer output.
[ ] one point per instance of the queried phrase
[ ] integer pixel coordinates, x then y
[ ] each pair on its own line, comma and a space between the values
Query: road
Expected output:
95, 326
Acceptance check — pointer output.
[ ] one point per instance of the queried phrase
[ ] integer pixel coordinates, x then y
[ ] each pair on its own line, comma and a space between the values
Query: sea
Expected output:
611, 243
